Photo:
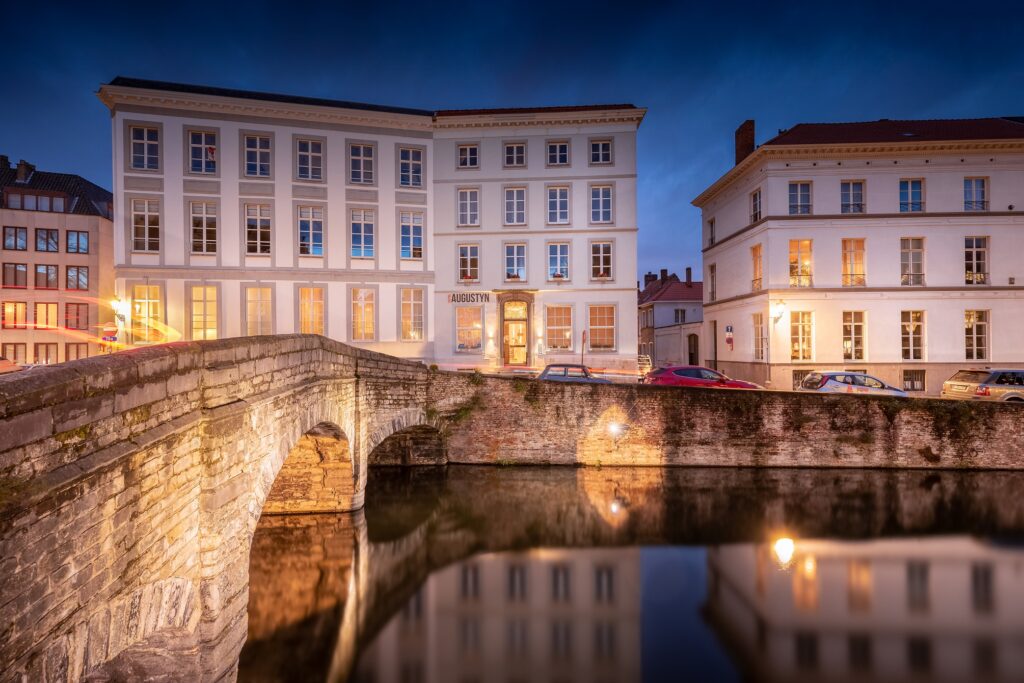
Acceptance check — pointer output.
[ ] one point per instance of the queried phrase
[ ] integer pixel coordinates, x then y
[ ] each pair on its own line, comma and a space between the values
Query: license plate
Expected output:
959, 387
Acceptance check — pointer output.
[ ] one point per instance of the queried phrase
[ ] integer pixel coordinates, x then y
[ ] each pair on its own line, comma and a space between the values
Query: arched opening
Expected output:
692, 350
416, 445
317, 475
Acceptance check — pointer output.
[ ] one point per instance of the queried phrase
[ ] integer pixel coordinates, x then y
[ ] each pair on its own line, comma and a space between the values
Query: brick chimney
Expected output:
25, 171
664, 274
744, 140
689, 275
5, 162
649, 278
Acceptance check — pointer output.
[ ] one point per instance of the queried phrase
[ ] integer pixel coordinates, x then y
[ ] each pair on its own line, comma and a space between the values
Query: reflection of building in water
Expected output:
561, 615
947, 609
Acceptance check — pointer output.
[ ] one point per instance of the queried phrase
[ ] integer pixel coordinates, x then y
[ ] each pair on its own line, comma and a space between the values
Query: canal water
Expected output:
475, 574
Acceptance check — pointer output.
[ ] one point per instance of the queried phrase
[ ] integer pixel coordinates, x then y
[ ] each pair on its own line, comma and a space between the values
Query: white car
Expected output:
840, 382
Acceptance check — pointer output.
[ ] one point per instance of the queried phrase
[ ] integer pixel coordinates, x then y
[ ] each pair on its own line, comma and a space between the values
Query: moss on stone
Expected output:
476, 379
74, 435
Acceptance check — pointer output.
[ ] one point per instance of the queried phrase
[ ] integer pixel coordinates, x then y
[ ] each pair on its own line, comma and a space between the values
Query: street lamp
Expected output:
778, 309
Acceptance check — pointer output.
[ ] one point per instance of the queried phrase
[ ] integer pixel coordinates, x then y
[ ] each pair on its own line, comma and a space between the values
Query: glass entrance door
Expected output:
516, 333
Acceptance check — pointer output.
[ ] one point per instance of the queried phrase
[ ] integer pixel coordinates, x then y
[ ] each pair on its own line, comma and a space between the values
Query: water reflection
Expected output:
551, 574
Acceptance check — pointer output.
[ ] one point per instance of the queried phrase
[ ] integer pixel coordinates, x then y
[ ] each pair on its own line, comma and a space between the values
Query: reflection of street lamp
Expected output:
784, 549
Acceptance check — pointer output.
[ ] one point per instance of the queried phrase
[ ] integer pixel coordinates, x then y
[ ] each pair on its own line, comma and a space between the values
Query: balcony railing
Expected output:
854, 279
911, 207
975, 205
800, 281
912, 279
852, 207
971, 278
755, 285
799, 209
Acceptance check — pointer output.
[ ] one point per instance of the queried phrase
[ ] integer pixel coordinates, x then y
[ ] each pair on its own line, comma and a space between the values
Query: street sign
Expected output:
110, 338
110, 329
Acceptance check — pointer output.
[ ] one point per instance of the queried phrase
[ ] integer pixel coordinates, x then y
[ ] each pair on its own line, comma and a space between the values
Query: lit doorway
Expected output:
515, 333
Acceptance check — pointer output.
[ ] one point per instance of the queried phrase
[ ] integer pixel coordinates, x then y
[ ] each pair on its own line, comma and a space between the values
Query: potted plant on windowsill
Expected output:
557, 276
602, 275
512, 276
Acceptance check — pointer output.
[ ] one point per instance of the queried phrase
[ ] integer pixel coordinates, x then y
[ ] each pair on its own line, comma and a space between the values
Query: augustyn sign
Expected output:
469, 298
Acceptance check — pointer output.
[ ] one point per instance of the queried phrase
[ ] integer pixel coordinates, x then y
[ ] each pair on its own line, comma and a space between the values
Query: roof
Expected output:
671, 289
533, 110
890, 130
84, 198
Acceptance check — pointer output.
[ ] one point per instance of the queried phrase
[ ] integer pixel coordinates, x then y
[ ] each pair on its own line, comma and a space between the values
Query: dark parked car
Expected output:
986, 385
567, 372
843, 382
695, 376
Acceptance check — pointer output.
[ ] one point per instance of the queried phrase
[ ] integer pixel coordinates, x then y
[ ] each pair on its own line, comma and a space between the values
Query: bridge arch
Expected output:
413, 436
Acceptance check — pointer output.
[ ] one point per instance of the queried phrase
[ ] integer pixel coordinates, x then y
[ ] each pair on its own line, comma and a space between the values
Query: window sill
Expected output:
310, 181
258, 177
468, 225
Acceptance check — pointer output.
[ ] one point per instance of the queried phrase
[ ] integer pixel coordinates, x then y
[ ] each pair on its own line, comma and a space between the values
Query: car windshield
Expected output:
555, 371
972, 376
812, 380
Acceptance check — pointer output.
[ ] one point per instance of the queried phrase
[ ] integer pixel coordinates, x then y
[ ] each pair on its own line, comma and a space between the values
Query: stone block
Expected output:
139, 395
19, 430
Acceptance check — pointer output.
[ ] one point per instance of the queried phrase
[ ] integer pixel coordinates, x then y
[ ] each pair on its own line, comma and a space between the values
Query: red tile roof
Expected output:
886, 130
671, 289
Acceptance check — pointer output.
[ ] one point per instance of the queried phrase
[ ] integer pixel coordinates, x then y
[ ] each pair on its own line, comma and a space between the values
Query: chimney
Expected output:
664, 274
25, 171
689, 275
649, 278
744, 140
5, 162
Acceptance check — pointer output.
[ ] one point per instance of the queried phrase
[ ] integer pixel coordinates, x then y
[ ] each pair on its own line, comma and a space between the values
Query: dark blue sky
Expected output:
700, 69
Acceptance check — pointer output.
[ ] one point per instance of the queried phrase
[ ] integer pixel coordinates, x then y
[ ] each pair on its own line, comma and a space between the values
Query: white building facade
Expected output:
887, 247
240, 213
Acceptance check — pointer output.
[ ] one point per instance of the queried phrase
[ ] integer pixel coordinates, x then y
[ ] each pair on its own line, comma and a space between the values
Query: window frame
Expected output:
150, 245
157, 325
189, 146
78, 307
474, 157
614, 327
367, 164
18, 306
468, 223
907, 205
15, 269
190, 316
972, 333
912, 279
52, 274
975, 205
755, 206
469, 256
804, 280
129, 153
259, 242
351, 290
857, 332
306, 310
78, 241
78, 271
16, 230
243, 147
505, 190
757, 267
424, 180
601, 140
909, 336
547, 152
422, 291
850, 259
845, 207
550, 273
455, 323
297, 140
505, 144
797, 339
413, 225
317, 214
548, 348
205, 229
366, 254
796, 209
975, 255
568, 204
271, 314
760, 336
610, 187
45, 233
517, 257
611, 260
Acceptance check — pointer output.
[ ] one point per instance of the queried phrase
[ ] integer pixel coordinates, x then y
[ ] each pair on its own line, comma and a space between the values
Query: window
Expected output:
362, 233
76, 350
76, 316
257, 156
361, 164
515, 154
468, 328
806, 651
983, 588
600, 152
558, 205
145, 148
311, 310
911, 196
16, 275
601, 204
363, 314
558, 153
853, 335
558, 261
412, 314
257, 229
853, 263
46, 277
601, 260
975, 194
680, 315
309, 159
760, 338
912, 334
851, 196
77, 277
800, 263
411, 226
204, 227
77, 242
912, 261
469, 156
602, 327
517, 583
14, 353
917, 586
47, 240
515, 206
46, 316
204, 312
14, 315
202, 154
604, 585
560, 586
976, 335
13, 200
469, 206
46, 354
515, 262
913, 380
259, 311
711, 232
712, 282
147, 314
801, 331
469, 262
799, 198
558, 328
919, 654
145, 225
976, 260
311, 231
755, 205
757, 266
410, 167
16, 239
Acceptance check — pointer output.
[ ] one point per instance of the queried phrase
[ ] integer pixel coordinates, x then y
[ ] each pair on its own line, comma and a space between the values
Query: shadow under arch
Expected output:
318, 474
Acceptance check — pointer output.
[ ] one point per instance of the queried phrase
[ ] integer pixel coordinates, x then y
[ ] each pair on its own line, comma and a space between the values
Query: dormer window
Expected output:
34, 201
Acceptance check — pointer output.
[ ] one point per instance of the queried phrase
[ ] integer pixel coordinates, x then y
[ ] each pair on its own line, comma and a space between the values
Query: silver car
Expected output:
568, 372
986, 385
841, 382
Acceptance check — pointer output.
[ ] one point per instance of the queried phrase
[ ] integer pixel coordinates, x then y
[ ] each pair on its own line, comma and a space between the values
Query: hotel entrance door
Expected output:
516, 333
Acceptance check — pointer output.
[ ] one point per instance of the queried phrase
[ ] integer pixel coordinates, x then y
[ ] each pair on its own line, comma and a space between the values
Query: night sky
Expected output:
700, 70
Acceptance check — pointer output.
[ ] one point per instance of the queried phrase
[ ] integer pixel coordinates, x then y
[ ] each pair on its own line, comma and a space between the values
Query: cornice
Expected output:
766, 153
596, 117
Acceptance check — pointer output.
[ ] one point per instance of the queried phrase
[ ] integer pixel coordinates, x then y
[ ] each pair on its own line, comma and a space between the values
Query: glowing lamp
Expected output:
784, 549
778, 309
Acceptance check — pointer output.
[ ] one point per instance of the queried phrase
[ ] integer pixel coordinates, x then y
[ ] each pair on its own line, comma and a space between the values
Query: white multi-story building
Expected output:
242, 213
886, 246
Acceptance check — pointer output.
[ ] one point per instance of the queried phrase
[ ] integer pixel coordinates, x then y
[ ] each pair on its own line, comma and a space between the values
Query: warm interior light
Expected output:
615, 507
784, 549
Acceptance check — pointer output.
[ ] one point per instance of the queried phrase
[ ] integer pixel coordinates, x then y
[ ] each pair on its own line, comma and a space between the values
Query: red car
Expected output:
695, 376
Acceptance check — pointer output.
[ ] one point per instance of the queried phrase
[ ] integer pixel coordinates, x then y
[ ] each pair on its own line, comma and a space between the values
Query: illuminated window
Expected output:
760, 338
46, 353
853, 263
757, 267
311, 310
362, 233
311, 231
145, 148
976, 335
853, 335
800, 263
410, 167
912, 261
204, 312
76, 316
76, 350
858, 585
46, 316
259, 311
976, 260
558, 328
202, 151
411, 223
147, 315
468, 328
412, 314
805, 583
309, 159
145, 225
257, 156
801, 335
755, 206
601, 319
204, 227
16, 353
363, 314
257, 229
14, 315
912, 334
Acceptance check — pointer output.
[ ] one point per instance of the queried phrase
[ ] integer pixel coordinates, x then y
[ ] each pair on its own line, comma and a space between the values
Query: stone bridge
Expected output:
131, 484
